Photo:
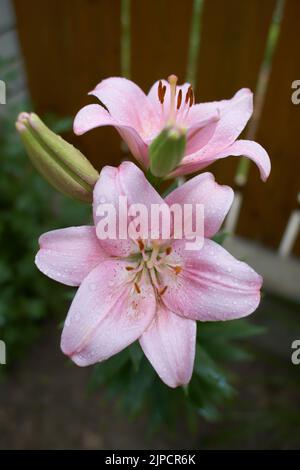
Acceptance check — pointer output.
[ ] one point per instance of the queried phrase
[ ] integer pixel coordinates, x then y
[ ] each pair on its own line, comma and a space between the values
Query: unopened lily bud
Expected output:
61, 164
166, 151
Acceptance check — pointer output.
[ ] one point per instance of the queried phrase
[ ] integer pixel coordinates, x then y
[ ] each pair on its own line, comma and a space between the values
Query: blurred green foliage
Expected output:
28, 207
129, 378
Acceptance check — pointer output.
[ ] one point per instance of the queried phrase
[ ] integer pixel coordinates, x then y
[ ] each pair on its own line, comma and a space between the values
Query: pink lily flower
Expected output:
151, 291
212, 128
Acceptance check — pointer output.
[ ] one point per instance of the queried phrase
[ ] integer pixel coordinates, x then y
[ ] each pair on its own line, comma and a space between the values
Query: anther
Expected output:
137, 288
177, 269
187, 96
163, 290
141, 245
160, 92
179, 99
191, 97
129, 268
168, 250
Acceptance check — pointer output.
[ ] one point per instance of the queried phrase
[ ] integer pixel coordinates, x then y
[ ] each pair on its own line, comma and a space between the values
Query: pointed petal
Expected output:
126, 102
221, 133
91, 116
127, 181
247, 148
203, 189
135, 185
169, 345
107, 314
69, 255
212, 284
252, 150
94, 115
234, 115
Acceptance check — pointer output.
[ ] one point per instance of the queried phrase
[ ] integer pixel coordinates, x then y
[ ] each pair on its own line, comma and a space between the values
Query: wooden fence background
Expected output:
10, 54
70, 45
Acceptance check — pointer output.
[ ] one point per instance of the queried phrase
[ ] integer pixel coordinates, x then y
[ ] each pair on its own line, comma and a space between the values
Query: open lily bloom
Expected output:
211, 128
153, 291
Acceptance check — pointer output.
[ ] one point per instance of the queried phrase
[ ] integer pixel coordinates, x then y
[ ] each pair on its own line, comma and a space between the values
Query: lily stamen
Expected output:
163, 290
179, 99
154, 279
137, 288
141, 245
161, 91
177, 269
168, 250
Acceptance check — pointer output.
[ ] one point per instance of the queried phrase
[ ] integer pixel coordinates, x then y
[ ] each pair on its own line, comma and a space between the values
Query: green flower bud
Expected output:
61, 164
166, 151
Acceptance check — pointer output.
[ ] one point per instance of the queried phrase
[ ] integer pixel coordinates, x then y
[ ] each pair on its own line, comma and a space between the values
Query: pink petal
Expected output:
202, 111
212, 285
126, 103
252, 150
135, 185
217, 136
94, 115
107, 314
169, 344
201, 131
129, 181
107, 191
203, 189
234, 115
138, 190
68, 255
91, 116
137, 145
247, 148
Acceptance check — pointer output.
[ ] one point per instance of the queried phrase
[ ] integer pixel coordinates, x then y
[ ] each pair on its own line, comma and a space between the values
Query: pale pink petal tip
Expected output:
169, 344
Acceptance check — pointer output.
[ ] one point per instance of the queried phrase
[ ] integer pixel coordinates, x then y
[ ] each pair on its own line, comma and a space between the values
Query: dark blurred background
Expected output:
51, 54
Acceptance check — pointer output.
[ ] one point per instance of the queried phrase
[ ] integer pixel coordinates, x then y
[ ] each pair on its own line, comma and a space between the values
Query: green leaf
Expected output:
136, 355
106, 370
220, 237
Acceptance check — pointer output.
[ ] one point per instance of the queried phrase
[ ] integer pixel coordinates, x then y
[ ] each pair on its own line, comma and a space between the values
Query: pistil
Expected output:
179, 105
172, 79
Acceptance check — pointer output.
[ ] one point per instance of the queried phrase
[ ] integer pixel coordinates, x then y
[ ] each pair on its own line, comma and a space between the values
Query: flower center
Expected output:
178, 108
154, 261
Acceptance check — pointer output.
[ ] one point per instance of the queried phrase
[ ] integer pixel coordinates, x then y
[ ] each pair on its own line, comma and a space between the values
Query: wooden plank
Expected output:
268, 206
233, 39
69, 46
160, 39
